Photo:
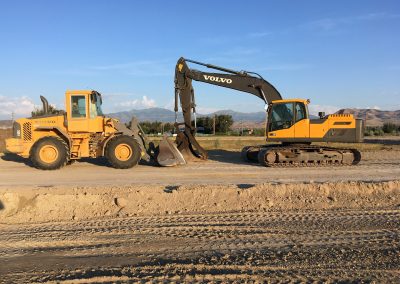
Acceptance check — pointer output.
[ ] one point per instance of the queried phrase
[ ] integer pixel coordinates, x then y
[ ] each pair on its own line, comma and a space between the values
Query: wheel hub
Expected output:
48, 154
123, 152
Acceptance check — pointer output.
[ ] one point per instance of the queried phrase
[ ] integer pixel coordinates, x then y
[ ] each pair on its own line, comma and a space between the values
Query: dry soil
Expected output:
217, 221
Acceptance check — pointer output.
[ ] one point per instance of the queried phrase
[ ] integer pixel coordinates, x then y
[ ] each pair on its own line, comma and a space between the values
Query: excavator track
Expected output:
300, 155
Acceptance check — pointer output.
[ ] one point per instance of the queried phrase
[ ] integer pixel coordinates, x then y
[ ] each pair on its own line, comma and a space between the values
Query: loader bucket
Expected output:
168, 154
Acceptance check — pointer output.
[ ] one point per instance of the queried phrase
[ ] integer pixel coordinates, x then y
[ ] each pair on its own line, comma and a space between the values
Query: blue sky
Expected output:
336, 53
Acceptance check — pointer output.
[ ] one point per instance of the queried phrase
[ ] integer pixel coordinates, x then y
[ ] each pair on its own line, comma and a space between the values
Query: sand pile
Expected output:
45, 204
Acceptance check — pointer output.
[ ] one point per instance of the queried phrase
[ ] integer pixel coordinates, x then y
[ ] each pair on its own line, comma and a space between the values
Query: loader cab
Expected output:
288, 119
84, 113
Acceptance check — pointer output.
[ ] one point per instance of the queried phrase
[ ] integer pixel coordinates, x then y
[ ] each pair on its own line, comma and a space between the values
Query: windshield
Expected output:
281, 117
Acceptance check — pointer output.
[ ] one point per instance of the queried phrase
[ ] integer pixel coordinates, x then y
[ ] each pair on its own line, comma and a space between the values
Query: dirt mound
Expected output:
80, 203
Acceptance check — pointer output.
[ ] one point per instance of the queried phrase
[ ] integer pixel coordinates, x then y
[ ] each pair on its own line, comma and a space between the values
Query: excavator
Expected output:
289, 125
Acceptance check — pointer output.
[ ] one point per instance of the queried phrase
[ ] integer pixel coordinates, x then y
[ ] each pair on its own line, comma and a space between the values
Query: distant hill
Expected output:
149, 114
243, 116
241, 119
374, 117
4, 124
165, 115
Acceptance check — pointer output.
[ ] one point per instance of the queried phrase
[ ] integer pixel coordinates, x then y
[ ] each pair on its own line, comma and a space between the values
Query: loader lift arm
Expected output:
249, 82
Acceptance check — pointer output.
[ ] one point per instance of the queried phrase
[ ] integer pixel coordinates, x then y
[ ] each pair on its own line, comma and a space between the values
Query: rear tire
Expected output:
49, 153
123, 152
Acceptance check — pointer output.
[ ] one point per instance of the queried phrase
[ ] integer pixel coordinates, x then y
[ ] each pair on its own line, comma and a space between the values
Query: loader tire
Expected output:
123, 152
49, 153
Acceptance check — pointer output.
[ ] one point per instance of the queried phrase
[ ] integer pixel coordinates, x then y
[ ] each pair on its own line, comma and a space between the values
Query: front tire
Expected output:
49, 153
123, 152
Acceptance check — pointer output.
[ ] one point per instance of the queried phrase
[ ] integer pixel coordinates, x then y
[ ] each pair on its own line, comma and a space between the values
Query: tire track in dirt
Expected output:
330, 245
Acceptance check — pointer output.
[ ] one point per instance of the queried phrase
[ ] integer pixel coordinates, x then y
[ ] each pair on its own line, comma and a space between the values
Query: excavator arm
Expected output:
248, 82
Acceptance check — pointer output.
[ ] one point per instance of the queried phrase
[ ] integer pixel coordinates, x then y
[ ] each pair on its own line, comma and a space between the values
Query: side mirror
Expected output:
321, 114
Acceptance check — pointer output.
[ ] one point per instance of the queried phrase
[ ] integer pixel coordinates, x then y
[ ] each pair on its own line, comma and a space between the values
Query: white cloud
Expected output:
314, 109
20, 106
144, 102
259, 34
375, 107
331, 23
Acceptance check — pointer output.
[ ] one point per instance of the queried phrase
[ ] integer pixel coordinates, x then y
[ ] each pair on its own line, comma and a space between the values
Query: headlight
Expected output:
16, 130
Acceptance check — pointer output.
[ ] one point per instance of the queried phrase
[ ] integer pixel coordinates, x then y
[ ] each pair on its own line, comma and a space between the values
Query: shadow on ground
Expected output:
102, 162
382, 141
9, 157
225, 156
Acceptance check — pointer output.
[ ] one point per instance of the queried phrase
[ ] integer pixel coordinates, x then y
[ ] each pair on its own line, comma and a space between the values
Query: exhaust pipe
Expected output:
45, 105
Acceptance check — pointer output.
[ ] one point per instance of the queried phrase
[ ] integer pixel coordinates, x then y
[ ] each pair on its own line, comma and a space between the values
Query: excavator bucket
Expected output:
189, 147
168, 154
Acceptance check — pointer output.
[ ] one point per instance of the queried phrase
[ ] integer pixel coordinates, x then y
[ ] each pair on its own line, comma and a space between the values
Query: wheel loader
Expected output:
51, 141
289, 124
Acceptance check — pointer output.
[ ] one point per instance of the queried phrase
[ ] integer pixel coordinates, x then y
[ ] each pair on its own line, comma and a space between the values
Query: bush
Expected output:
378, 132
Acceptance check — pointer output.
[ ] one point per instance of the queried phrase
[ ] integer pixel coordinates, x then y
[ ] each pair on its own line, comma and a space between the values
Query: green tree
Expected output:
223, 123
389, 127
205, 122
39, 111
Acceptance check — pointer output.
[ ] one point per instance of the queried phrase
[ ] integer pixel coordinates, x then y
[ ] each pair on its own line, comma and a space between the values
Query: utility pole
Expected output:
214, 125
12, 116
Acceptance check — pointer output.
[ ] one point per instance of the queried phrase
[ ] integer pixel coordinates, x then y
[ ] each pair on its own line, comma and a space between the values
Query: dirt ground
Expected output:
213, 222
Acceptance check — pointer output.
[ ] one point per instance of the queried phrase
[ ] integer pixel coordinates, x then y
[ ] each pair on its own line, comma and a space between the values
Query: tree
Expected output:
39, 111
223, 123
205, 122
155, 127
389, 127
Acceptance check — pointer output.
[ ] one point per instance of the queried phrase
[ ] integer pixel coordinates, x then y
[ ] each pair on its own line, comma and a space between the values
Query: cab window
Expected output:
281, 116
95, 106
300, 111
78, 106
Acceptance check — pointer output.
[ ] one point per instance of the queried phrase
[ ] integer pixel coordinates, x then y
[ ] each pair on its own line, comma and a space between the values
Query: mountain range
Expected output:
165, 115
373, 117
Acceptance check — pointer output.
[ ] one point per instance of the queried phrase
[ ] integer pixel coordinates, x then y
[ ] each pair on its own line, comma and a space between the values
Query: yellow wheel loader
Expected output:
51, 141
289, 123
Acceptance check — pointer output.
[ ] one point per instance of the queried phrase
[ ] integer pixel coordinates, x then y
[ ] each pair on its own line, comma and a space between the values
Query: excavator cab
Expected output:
288, 119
